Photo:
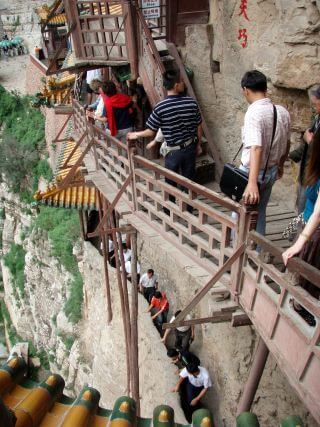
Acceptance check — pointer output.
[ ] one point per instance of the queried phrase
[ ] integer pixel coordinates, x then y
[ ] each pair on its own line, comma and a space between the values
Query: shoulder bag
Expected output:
234, 180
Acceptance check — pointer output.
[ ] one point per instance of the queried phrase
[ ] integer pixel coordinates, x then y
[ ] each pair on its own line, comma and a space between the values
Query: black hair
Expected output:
158, 294
255, 81
177, 313
170, 78
124, 245
192, 368
109, 88
172, 352
316, 93
150, 271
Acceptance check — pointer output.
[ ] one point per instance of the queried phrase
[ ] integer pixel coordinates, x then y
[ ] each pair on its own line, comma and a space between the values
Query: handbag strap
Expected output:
275, 117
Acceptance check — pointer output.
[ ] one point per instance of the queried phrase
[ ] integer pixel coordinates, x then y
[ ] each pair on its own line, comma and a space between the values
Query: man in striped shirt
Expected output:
179, 118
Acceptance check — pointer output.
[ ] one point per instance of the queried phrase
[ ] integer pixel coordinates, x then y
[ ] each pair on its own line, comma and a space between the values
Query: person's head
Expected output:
95, 85
313, 166
150, 273
254, 85
108, 88
173, 354
177, 313
158, 295
172, 81
315, 99
193, 369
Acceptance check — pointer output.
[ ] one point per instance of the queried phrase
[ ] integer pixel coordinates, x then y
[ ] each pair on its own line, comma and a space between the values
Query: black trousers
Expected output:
182, 162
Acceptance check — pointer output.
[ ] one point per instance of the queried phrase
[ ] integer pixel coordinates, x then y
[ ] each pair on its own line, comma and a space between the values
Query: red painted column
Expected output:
256, 371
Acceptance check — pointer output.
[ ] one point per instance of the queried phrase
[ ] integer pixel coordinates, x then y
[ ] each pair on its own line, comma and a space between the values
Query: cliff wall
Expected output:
90, 351
277, 37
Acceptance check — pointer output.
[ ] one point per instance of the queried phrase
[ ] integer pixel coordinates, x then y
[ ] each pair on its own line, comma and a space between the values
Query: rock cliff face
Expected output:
281, 39
19, 16
91, 351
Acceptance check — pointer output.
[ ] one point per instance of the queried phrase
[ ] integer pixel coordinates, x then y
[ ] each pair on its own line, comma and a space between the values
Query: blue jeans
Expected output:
265, 193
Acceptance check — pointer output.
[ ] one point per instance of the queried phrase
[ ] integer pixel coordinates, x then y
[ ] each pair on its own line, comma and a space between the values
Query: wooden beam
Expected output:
79, 142
200, 294
217, 317
56, 139
111, 207
61, 47
239, 318
125, 230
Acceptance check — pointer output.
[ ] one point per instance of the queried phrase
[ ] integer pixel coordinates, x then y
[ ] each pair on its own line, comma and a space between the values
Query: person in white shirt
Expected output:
184, 335
92, 75
256, 137
148, 284
198, 384
128, 269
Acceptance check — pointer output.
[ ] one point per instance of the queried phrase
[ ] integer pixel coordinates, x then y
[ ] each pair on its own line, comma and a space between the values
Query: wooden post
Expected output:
131, 35
131, 153
82, 228
123, 310
256, 371
134, 323
105, 263
246, 222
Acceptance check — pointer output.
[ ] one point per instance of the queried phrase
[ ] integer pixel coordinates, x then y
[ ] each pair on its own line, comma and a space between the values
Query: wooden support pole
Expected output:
122, 304
134, 324
217, 317
105, 264
256, 371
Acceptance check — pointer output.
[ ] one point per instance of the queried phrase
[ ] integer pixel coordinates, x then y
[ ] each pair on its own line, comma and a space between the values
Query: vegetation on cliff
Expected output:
22, 156
15, 261
63, 230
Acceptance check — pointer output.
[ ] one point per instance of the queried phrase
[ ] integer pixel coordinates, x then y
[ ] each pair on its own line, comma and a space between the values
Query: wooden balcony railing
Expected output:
190, 216
101, 30
266, 294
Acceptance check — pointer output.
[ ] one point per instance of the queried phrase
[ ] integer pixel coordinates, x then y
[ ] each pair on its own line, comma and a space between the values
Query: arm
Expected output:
307, 232
251, 193
199, 397
192, 332
199, 135
165, 336
177, 387
147, 133
150, 307
157, 314
282, 160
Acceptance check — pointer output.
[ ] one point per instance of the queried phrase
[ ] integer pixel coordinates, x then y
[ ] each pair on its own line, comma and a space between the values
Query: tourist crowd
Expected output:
175, 127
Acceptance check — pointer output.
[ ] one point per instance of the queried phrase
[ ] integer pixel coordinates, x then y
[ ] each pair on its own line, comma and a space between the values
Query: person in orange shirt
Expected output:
159, 307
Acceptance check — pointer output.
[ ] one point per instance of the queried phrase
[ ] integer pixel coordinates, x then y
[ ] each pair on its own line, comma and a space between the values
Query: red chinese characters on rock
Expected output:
243, 33
244, 9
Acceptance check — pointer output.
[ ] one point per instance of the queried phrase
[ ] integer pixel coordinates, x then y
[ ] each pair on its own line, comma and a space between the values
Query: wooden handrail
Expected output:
150, 40
295, 265
191, 185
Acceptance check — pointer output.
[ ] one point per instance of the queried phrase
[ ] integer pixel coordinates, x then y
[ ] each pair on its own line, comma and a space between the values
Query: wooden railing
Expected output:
150, 65
190, 216
267, 294
101, 29
158, 26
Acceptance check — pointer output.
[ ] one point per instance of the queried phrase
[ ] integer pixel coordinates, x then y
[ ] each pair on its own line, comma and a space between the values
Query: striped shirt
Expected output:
178, 117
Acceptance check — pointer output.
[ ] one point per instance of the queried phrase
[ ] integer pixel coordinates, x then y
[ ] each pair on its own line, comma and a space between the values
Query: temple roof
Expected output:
58, 18
78, 194
44, 405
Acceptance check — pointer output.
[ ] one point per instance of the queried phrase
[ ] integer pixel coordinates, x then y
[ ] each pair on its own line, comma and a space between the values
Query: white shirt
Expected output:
127, 255
203, 378
93, 75
148, 282
257, 131
182, 328
128, 267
